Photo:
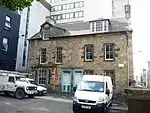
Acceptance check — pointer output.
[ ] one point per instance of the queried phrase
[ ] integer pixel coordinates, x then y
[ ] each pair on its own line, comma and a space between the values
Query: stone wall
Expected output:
73, 52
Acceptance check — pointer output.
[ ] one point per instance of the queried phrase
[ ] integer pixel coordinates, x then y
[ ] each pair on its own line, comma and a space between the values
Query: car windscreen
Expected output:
20, 78
93, 86
32, 82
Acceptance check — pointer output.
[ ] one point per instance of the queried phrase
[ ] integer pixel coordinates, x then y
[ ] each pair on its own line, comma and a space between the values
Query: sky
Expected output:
140, 19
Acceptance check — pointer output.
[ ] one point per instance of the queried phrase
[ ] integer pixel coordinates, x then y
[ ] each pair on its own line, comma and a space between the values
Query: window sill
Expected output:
88, 60
109, 60
58, 63
43, 63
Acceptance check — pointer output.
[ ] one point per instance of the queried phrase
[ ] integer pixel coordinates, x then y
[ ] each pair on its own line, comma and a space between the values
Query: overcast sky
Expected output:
141, 39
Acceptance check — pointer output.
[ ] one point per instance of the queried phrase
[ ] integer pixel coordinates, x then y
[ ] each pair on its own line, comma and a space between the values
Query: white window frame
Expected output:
57, 54
93, 26
41, 56
76, 15
64, 6
112, 45
81, 4
80, 14
5, 44
99, 24
71, 15
59, 7
77, 4
67, 15
71, 5
68, 6
41, 75
91, 52
7, 22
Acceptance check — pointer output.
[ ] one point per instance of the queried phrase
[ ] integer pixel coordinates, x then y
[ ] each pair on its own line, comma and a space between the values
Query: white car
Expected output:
41, 90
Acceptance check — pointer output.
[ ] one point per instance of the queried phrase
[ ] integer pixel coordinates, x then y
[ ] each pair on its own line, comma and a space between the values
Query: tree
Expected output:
16, 4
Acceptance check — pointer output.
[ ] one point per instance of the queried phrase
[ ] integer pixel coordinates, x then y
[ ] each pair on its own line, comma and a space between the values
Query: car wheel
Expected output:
19, 94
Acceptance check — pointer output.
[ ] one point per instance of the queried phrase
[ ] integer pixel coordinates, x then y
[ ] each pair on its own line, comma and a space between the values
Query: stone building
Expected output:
59, 57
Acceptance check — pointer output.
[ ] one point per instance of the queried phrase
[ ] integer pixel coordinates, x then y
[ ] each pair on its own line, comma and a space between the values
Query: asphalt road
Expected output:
11, 105
43, 104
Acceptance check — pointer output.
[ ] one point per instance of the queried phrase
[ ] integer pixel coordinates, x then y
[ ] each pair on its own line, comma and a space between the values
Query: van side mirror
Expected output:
74, 89
107, 92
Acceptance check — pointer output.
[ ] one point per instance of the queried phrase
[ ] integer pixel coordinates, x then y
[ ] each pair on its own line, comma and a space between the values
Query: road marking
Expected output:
41, 109
7, 103
55, 99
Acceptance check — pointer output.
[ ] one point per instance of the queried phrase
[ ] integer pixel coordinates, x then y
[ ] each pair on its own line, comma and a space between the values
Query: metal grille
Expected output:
31, 88
86, 101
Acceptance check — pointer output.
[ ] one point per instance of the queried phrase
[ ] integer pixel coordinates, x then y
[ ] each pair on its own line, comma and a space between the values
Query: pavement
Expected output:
41, 104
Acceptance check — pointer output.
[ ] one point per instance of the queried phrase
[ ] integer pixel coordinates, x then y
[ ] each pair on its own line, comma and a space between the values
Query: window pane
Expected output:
71, 15
80, 14
107, 48
111, 55
5, 41
64, 6
67, 15
111, 47
89, 52
68, 6
92, 26
81, 4
99, 26
76, 14
59, 55
8, 18
59, 17
64, 16
43, 56
5, 44
107, 55
77, 4
109, 51
71, 6
59, 8
105, 25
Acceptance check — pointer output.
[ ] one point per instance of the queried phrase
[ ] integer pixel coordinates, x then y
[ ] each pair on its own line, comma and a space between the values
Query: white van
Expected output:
94, 93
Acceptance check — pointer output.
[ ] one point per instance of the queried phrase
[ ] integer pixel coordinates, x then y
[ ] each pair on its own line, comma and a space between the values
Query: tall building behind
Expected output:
31, 19
64, 11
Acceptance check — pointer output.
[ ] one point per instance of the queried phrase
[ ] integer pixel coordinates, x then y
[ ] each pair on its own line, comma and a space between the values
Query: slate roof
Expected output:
117, 24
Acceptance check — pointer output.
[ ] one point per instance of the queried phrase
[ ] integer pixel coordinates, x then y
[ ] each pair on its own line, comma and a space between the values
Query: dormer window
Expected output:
46, 32
100, 26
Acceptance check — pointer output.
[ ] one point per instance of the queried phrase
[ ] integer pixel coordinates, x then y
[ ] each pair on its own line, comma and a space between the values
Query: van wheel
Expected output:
31, 96
6, 93
105, 110
19, 94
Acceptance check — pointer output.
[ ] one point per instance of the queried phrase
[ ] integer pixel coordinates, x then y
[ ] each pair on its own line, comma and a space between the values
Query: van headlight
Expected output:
101, 99
75, 98
27, 88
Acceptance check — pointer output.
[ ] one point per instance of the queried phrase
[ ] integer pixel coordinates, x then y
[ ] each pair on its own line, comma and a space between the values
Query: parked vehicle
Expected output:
94, 93
15, 84
41, 90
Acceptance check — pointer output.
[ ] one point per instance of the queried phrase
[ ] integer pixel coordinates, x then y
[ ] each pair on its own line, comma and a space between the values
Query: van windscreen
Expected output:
93, 86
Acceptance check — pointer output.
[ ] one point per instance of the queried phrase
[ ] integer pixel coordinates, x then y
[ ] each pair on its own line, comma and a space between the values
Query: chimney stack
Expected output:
50, 20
